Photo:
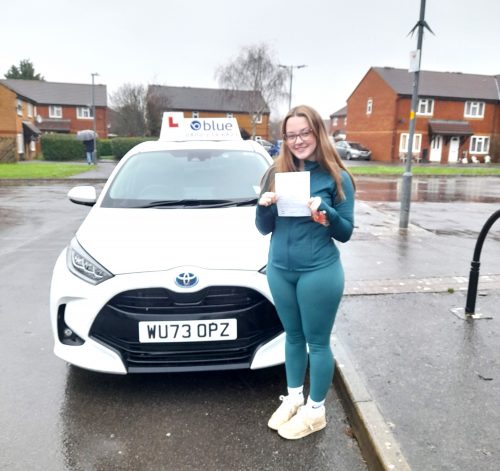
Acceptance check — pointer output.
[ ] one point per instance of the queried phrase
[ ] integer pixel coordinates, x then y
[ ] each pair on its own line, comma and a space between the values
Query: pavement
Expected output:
420, 379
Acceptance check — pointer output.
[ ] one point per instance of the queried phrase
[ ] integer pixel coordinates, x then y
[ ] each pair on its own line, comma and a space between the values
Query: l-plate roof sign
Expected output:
175, 127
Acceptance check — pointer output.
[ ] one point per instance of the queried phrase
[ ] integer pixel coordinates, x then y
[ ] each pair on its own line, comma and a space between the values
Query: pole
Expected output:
407, 175
94, 154
291, 67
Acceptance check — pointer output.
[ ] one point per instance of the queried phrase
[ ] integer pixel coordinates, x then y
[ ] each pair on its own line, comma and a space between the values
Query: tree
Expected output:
129, 105
254, 69
156, 104
25, 71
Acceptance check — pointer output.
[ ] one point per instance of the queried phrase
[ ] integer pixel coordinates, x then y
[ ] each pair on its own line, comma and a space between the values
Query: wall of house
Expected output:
375, 130
337, 124
77, 124
7, 112
452, 110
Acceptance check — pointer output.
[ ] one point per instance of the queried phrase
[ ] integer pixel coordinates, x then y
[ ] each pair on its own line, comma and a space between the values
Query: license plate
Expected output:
187, 331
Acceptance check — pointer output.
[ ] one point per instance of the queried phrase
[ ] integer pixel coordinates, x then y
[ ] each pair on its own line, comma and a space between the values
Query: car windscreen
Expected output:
186, 178
356, 145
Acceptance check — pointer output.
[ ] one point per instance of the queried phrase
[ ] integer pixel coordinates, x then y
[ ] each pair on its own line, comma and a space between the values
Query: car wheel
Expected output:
348, 156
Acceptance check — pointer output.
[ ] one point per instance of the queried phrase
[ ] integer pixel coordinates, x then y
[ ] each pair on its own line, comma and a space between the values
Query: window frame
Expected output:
474, 109
479, 141
84, 112
19, 107
427, 104
55, 111
369, 106
195, 115
404, 138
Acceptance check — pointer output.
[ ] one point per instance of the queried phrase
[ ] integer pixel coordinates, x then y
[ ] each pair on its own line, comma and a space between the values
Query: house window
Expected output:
479, 145
30, 110
196, 114
425, 106
55, 111
404, 140
229, 115
19, 107
345, 121
84, 112
335, 122
474, 109
369, 106
257, 118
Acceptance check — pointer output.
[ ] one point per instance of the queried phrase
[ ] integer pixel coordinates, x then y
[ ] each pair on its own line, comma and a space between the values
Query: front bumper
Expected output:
96, 327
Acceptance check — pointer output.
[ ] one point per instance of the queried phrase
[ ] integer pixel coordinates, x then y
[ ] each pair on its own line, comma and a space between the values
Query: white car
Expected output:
167, 271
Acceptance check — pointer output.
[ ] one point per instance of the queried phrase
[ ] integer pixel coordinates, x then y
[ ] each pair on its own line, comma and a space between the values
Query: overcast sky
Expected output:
182, 42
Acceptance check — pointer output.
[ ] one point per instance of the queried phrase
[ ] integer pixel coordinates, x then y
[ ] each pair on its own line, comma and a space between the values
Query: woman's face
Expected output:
299, 138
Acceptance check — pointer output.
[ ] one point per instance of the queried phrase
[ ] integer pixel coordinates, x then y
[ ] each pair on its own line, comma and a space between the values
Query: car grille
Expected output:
116, 326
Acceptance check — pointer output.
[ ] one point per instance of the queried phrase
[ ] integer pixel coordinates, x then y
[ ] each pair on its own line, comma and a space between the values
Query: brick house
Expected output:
457, 117
338, 123
248, 107
29, 108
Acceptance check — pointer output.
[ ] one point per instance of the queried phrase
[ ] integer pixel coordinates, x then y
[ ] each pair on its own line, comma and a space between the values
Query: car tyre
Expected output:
348, 156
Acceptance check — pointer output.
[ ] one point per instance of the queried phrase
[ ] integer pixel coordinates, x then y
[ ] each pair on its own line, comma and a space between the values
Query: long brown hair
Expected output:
325, 153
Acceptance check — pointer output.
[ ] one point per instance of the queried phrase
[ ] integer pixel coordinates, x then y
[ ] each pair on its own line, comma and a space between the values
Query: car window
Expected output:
199, 174
356, 145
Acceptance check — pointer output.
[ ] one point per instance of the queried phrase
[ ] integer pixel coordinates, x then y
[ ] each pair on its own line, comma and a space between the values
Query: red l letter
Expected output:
171, 123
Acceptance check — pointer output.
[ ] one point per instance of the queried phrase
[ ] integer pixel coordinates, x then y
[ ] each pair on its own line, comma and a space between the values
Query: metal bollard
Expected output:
470, 304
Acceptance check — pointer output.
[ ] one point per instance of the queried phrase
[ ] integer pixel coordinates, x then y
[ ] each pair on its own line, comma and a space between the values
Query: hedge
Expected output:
104, 147
61, 147
121, 145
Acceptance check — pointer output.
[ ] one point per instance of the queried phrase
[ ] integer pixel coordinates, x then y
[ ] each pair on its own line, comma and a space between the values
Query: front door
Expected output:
453, 150
436, 149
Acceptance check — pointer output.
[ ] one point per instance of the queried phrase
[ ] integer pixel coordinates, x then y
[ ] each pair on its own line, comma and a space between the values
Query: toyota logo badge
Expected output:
186, 280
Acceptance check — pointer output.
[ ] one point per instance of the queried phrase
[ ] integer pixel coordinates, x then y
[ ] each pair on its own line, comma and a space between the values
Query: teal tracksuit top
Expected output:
301, 244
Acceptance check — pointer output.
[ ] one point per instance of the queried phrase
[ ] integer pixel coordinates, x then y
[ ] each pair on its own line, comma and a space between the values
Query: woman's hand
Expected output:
268, 198
317, 216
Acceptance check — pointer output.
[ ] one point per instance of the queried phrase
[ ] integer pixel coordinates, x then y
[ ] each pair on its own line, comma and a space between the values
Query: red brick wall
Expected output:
69, 112
374, 130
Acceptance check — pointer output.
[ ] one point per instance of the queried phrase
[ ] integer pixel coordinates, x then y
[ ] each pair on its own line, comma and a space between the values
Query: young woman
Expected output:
304, 270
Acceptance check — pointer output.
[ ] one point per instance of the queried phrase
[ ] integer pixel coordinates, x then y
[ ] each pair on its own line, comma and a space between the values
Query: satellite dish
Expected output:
38, 119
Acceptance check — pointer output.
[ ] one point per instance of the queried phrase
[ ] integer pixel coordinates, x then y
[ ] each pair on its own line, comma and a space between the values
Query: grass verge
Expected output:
35, 170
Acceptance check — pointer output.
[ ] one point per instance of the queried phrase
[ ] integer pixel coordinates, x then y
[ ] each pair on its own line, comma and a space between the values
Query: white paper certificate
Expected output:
293, 190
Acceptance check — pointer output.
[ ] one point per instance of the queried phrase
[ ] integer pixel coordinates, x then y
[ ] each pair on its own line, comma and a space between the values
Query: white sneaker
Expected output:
303, 423
288, 408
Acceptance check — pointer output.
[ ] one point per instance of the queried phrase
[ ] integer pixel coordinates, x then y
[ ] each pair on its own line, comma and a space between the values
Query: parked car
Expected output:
167, 271
352, 150
264, 143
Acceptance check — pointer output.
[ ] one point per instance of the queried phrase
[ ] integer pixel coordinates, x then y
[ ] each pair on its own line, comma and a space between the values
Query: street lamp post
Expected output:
407, 175
291, 67
94, 154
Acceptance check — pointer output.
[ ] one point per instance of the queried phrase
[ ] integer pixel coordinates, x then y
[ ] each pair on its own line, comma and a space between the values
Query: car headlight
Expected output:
82, 265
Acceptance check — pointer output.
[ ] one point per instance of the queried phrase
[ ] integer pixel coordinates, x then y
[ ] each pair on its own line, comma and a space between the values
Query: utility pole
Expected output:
94, 154
291, 67
407, 175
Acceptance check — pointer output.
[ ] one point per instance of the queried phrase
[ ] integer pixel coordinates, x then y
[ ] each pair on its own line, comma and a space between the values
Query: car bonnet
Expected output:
155, 239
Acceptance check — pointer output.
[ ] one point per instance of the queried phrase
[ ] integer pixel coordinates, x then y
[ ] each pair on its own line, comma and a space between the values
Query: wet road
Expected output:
55, 417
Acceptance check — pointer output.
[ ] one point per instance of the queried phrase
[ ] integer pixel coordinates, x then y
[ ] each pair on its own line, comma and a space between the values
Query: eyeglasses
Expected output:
304, 135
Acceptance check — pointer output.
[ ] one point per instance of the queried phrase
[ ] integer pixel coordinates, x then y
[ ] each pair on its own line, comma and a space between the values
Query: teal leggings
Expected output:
307, 304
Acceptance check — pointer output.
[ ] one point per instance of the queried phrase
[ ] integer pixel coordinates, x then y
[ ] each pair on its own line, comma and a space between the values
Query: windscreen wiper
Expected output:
185, 203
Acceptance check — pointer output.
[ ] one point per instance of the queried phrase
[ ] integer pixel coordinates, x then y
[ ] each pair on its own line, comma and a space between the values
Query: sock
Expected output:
313, 405
296, 394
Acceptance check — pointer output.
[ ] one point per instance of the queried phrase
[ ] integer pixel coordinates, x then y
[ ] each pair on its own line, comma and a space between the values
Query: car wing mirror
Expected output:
84, 194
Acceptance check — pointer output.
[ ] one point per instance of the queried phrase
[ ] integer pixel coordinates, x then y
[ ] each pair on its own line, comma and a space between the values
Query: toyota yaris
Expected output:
167, 271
